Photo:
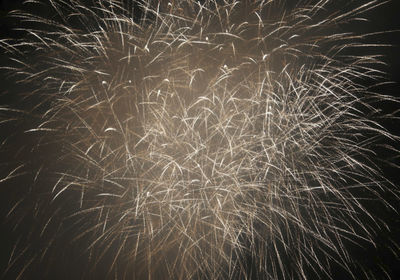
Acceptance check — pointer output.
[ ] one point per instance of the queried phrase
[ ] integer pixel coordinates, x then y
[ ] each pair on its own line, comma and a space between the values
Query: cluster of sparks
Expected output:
198, 139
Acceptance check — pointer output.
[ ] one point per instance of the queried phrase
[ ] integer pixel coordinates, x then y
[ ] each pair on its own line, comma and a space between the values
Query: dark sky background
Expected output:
386, 17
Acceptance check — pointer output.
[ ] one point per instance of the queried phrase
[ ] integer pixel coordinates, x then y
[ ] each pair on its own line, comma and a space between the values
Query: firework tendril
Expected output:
193, 139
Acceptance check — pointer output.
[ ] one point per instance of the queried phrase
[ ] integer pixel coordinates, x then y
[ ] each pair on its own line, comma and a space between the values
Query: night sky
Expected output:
386, 17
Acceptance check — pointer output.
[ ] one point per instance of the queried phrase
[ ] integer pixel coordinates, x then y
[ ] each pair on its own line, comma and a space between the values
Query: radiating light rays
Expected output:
198, 139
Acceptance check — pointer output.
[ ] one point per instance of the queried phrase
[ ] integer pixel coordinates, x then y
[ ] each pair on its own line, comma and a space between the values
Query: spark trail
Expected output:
193, 139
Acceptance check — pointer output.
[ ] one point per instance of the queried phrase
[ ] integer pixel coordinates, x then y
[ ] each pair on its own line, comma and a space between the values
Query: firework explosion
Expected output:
191, 139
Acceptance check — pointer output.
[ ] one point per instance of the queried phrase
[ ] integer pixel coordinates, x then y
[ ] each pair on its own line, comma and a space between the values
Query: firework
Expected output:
191, 139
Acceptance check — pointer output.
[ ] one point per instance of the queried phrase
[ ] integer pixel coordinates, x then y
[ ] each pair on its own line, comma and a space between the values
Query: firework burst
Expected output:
192, 139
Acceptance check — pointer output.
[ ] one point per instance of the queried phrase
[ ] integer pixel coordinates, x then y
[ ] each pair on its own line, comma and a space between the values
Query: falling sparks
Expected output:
196, 139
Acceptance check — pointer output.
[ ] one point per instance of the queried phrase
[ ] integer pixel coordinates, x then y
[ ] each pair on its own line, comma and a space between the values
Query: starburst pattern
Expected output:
196, 139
